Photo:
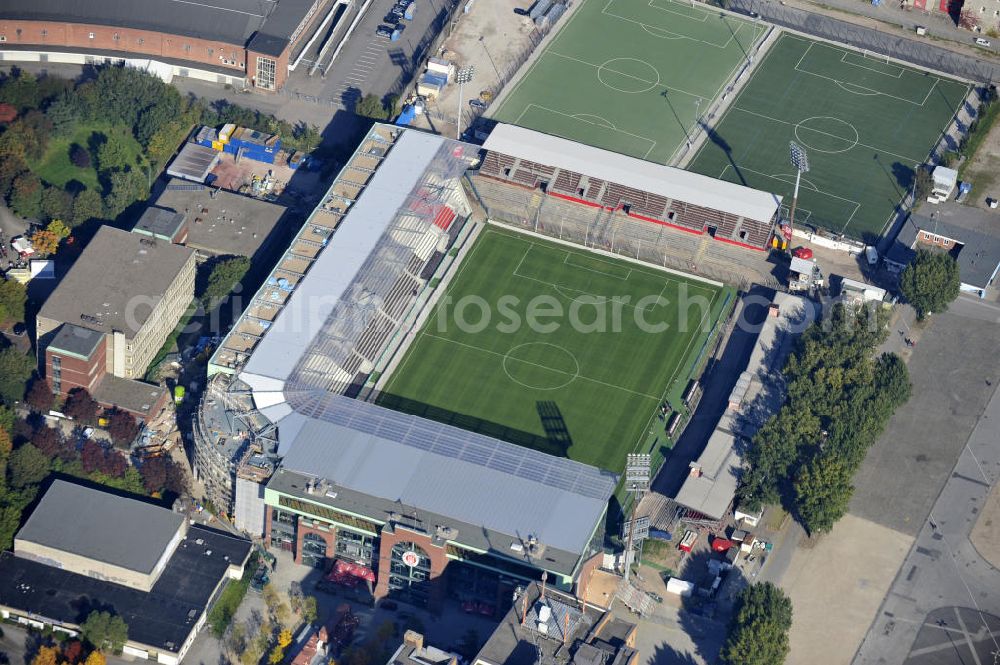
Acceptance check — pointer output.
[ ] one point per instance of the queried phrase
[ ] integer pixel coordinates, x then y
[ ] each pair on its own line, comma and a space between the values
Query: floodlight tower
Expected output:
463, 76
800, 160
637, 472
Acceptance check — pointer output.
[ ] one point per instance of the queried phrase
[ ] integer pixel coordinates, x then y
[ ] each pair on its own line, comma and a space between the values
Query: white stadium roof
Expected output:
667, 181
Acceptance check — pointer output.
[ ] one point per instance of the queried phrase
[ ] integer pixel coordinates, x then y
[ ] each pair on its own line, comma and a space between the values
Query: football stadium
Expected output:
421, 340
610, 78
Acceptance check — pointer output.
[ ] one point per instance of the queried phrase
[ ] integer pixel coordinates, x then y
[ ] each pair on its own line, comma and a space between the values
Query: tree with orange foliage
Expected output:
96, 658
46, 242
46, 656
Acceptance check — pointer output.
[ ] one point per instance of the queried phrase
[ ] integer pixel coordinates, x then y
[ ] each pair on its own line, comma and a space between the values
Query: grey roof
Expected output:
98, 525
194, 162
163, 618
223, 222
280, 24
137, 397
76, 340
977, 230
672, 183
159, 222
116, 268
443, 470
229, 21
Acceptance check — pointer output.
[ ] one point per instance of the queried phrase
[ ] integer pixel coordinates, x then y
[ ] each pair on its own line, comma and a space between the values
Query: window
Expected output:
265, 73
90, 35
313, 550
211, 51
45, 33
140, 41
187, 48
56, 361
409, 572
116, 37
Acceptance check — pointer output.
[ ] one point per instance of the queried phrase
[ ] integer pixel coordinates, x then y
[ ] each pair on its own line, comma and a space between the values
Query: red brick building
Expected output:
238, 42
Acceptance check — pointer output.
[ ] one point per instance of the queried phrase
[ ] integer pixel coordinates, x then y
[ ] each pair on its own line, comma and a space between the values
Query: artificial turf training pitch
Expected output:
589, 395
631, 77
865, 123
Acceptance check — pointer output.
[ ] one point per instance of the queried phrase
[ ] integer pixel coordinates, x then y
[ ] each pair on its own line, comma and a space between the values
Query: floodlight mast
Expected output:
637, 476
800, 160
463, 76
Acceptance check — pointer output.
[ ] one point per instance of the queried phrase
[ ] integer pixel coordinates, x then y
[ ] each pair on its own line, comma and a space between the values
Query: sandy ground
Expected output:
837, 585
985, 534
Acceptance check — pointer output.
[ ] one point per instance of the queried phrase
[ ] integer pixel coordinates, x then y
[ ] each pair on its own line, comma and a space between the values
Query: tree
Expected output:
13, 297
822, 491
104, 631
46, 242
758, 631
11, 166
58, 228
223, 274
57, 203
126, 187
48, 441
26, 195
15, 369
370, 106
276, 656
968, 19
46, 656
304, 137
96, 658
154, 474
122, 427
79, 156
309, 610
40, 396
64, 115
112, 152
27, 466
6, 445
86, 206
930, 282
72, 651
284, 638
91, 456
81, 406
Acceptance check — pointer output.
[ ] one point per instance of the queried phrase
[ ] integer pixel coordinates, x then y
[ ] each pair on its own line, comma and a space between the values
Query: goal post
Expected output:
871, 55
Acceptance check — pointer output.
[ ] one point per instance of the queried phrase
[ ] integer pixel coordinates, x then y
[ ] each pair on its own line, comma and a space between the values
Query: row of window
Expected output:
233, 60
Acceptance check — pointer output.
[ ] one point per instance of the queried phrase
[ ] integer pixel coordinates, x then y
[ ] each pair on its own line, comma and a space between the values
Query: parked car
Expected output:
384, 31
391, 19
982, 42
18, 329
477, 104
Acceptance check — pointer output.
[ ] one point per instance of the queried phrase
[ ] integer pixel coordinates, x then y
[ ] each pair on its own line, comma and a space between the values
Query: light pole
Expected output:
463, 76
637, 477
800, 160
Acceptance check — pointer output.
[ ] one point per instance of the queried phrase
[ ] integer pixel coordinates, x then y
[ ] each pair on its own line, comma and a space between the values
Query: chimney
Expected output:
774, 310
414, 639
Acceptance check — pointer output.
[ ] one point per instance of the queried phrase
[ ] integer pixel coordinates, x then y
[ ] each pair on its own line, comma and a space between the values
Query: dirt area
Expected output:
984, 169
491, 38
239, 176
601, 588
985, 534
850, 569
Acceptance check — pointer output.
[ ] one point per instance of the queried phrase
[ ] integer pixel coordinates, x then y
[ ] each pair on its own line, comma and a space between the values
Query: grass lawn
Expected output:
866, 123
55, 167
631, 77
586, 384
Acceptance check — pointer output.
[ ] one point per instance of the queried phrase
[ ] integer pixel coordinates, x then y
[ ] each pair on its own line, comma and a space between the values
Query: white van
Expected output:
982, 42
871, 255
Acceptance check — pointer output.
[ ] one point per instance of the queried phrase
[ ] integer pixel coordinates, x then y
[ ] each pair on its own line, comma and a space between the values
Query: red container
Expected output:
802, 253
721, 545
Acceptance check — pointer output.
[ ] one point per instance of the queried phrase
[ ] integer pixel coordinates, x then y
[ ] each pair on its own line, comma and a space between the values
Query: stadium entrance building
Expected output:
286, 440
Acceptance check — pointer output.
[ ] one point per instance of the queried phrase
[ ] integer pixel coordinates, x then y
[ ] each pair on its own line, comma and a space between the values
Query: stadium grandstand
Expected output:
244, 43
598, 198
391, 504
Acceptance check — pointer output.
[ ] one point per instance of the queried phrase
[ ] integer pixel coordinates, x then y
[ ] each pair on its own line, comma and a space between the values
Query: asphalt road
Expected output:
942, 570
917, 50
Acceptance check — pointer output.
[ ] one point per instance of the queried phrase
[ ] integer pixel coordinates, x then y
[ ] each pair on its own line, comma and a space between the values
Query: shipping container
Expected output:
680, 587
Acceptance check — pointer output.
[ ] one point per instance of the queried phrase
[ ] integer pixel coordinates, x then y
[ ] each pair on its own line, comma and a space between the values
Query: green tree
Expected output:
222, 276
105, 631
64, 114
13, 297
86, 206
15, 370
758, 631
27, 466
57, 203
112, 152
304, 137
11, 166
930, 282
822, 491
370, 106
26, 195
309, 609
127, 187
20, 89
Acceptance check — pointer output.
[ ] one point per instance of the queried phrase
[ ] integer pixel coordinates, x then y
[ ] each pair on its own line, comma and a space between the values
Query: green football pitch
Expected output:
631, 77
586, 383
865, 123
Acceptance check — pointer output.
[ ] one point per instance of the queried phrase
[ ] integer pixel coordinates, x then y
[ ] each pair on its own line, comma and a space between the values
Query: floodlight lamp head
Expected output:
464, 74
798, 157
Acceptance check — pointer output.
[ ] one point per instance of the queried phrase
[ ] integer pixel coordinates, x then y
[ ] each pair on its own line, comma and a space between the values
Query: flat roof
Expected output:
228, 21
137, 397
194, 162
159, 222
223, 222
98, 525
75, 340
162, 618
116, 268
672, 183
